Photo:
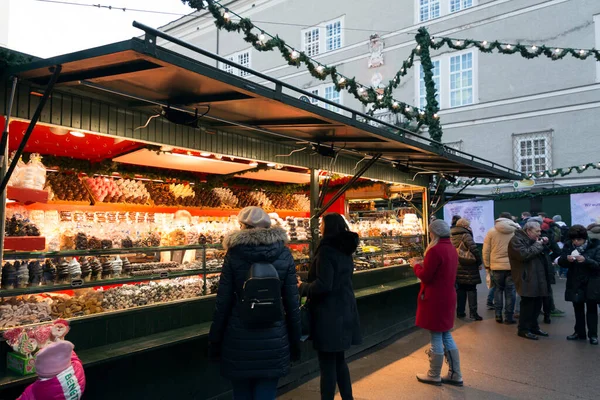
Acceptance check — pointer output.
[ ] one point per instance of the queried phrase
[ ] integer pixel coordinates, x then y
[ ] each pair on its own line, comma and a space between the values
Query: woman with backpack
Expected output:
334, 322
467, 277
436, 304
255, 350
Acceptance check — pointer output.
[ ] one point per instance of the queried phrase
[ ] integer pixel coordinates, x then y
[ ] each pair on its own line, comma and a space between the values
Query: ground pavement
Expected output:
496, 364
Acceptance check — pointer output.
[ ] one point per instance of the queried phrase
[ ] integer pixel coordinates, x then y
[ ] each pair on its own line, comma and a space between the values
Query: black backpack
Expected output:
260, 299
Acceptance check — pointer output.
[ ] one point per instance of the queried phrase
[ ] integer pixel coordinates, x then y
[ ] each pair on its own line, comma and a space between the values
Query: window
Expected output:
243, 58
327, 36
333, 35
457, 5
455, 77
436, 79
429, 9
329, 93
461, 80
311, 42
533, 152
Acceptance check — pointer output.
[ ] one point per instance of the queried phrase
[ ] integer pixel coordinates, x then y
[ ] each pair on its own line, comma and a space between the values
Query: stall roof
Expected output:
138, 74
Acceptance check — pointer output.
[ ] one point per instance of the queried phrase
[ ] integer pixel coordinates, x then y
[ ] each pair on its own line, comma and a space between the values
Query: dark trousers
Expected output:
334, 370
254, 389
591, 317
464, 293
548, 302
531, 307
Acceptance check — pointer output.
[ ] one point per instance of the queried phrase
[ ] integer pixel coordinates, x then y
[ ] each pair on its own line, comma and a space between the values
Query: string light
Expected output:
534, 47
295, 54
261, 37
226, 16
484, 43
558, 50
342, 81
395, 104
320, 69
361, 91
408, 109
508, 46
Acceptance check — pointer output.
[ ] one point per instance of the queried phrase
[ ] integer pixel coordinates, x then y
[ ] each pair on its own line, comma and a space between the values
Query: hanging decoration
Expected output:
548, 192
552, 173
263, 41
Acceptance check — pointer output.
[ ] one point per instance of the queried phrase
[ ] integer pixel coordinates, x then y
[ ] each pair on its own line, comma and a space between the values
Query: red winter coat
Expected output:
437, 299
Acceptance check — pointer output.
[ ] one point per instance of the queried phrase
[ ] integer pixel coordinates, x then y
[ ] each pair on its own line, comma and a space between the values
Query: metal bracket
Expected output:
150, 43
455, 195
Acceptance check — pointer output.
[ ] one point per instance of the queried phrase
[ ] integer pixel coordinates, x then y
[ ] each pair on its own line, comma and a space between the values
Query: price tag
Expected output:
76, 282
164, 274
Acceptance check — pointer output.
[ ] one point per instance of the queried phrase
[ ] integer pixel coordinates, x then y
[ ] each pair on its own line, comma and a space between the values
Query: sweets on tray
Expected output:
66, 187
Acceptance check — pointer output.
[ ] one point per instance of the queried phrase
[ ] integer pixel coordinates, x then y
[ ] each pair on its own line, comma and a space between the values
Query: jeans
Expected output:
491, 295
505, 289
334, 370
591, 317
531, 307
254, 389
441, 341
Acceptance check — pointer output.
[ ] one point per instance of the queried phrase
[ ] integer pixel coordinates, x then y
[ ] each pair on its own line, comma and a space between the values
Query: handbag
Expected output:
465, 257
593, 289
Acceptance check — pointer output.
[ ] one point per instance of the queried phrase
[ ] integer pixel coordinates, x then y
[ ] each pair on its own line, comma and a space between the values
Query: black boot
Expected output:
472, 296
461, 302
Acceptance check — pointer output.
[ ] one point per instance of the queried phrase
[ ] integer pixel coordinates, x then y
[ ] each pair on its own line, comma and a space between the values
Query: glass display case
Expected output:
387, 251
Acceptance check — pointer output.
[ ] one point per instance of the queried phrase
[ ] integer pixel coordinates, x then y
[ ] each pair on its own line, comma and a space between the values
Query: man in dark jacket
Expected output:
255, 357
529, 268
553, 251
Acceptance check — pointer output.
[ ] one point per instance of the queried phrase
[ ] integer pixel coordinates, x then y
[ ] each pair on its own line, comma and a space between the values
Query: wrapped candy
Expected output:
96, 267
49, 273
106, 269
9, 276
62, 270
74, 269
35, 273
86, 269
126, 266
22, 274
117, 267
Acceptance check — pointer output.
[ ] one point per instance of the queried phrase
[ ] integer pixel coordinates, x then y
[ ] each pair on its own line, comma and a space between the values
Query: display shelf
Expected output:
24, 243
195, 211
100, 252
26, 196
98, 283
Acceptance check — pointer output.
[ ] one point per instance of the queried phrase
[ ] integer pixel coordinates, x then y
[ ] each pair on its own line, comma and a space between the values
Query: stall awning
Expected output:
138, 74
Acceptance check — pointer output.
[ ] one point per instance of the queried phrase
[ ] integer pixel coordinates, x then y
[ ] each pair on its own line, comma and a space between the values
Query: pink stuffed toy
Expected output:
60, 374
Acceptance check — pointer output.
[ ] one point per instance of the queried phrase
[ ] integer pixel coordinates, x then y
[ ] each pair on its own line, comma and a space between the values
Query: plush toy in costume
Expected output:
60, 374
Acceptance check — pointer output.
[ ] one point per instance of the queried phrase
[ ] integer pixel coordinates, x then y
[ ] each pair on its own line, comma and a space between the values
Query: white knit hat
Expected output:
255, 217
440, 228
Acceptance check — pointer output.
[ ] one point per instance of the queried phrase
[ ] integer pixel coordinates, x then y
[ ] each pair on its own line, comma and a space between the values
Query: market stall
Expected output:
146, 157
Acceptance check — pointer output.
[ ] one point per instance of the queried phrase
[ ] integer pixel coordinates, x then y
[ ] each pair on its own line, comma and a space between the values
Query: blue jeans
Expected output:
254, 389
441, 341
491, 295
505, 290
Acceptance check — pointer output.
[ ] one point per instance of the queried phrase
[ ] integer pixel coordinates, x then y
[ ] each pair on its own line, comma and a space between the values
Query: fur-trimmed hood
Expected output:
255, 237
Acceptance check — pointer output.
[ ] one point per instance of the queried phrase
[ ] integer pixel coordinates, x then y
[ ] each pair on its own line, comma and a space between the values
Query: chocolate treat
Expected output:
22, 274
106, 244
106, 269
35, 273
94, 243
86, 269
74, 269
9, 276
31, 229
117, 267
126, 266
81, 241
127, 243
49, 273
15, 226
62, 270
96, 269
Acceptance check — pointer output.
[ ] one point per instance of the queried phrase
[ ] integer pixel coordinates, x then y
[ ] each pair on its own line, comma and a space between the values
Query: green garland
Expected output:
9, 58
548, 192
432, 108
553, 173
526, 51
366, 95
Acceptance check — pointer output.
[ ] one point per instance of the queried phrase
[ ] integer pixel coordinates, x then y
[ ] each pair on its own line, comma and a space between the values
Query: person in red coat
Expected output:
437, 302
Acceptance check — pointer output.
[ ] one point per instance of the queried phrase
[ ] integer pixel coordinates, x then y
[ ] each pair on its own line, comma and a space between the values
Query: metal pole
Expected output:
343, 189
4, 166
426, 215
314, 200
34, 120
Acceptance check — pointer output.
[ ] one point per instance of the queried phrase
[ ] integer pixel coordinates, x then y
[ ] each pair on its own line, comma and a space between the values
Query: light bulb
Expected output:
508, 46
380, 97
77, 133
271, 165
361, 91
342, 80
226, 16
295, 54
205, 154
421, 112
558, 50
261, 37
534, 48
253, 164
582, 52
418, 47
320, 69
485, 43
395, 104
408, 108
436, 116
459, 43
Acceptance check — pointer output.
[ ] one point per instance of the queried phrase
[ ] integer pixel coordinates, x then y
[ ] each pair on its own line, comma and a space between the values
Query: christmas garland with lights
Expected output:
548, 192
266, 42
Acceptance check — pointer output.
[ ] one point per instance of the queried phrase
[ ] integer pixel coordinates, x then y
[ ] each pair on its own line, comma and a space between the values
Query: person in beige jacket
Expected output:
496, 262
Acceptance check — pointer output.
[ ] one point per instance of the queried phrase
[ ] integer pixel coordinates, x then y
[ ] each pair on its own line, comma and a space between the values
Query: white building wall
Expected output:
4, 22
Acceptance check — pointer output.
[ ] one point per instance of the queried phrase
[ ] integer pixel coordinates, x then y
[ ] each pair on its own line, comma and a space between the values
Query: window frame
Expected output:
519, 138
322, 29
235, 57
450, 90
445, 9
320, 91
444, 88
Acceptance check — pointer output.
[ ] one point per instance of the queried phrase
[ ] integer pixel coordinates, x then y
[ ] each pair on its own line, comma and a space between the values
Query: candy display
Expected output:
66, 187
31, 175
35, 273
228, 199
9, 275
17, 225
388, 226
24, 310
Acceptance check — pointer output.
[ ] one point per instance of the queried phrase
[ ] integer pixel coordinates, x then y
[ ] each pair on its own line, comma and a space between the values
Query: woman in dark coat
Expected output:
255, 357
437, 303
334, 324
581, 256
467, 276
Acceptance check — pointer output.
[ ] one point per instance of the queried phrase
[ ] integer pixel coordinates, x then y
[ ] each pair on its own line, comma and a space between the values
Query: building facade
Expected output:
4, 22
532, 115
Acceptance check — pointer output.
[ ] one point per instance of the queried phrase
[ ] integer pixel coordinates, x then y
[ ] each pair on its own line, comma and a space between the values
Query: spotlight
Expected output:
449, 178
205, 154
77, 133
271, 165
253, 164
324, 151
